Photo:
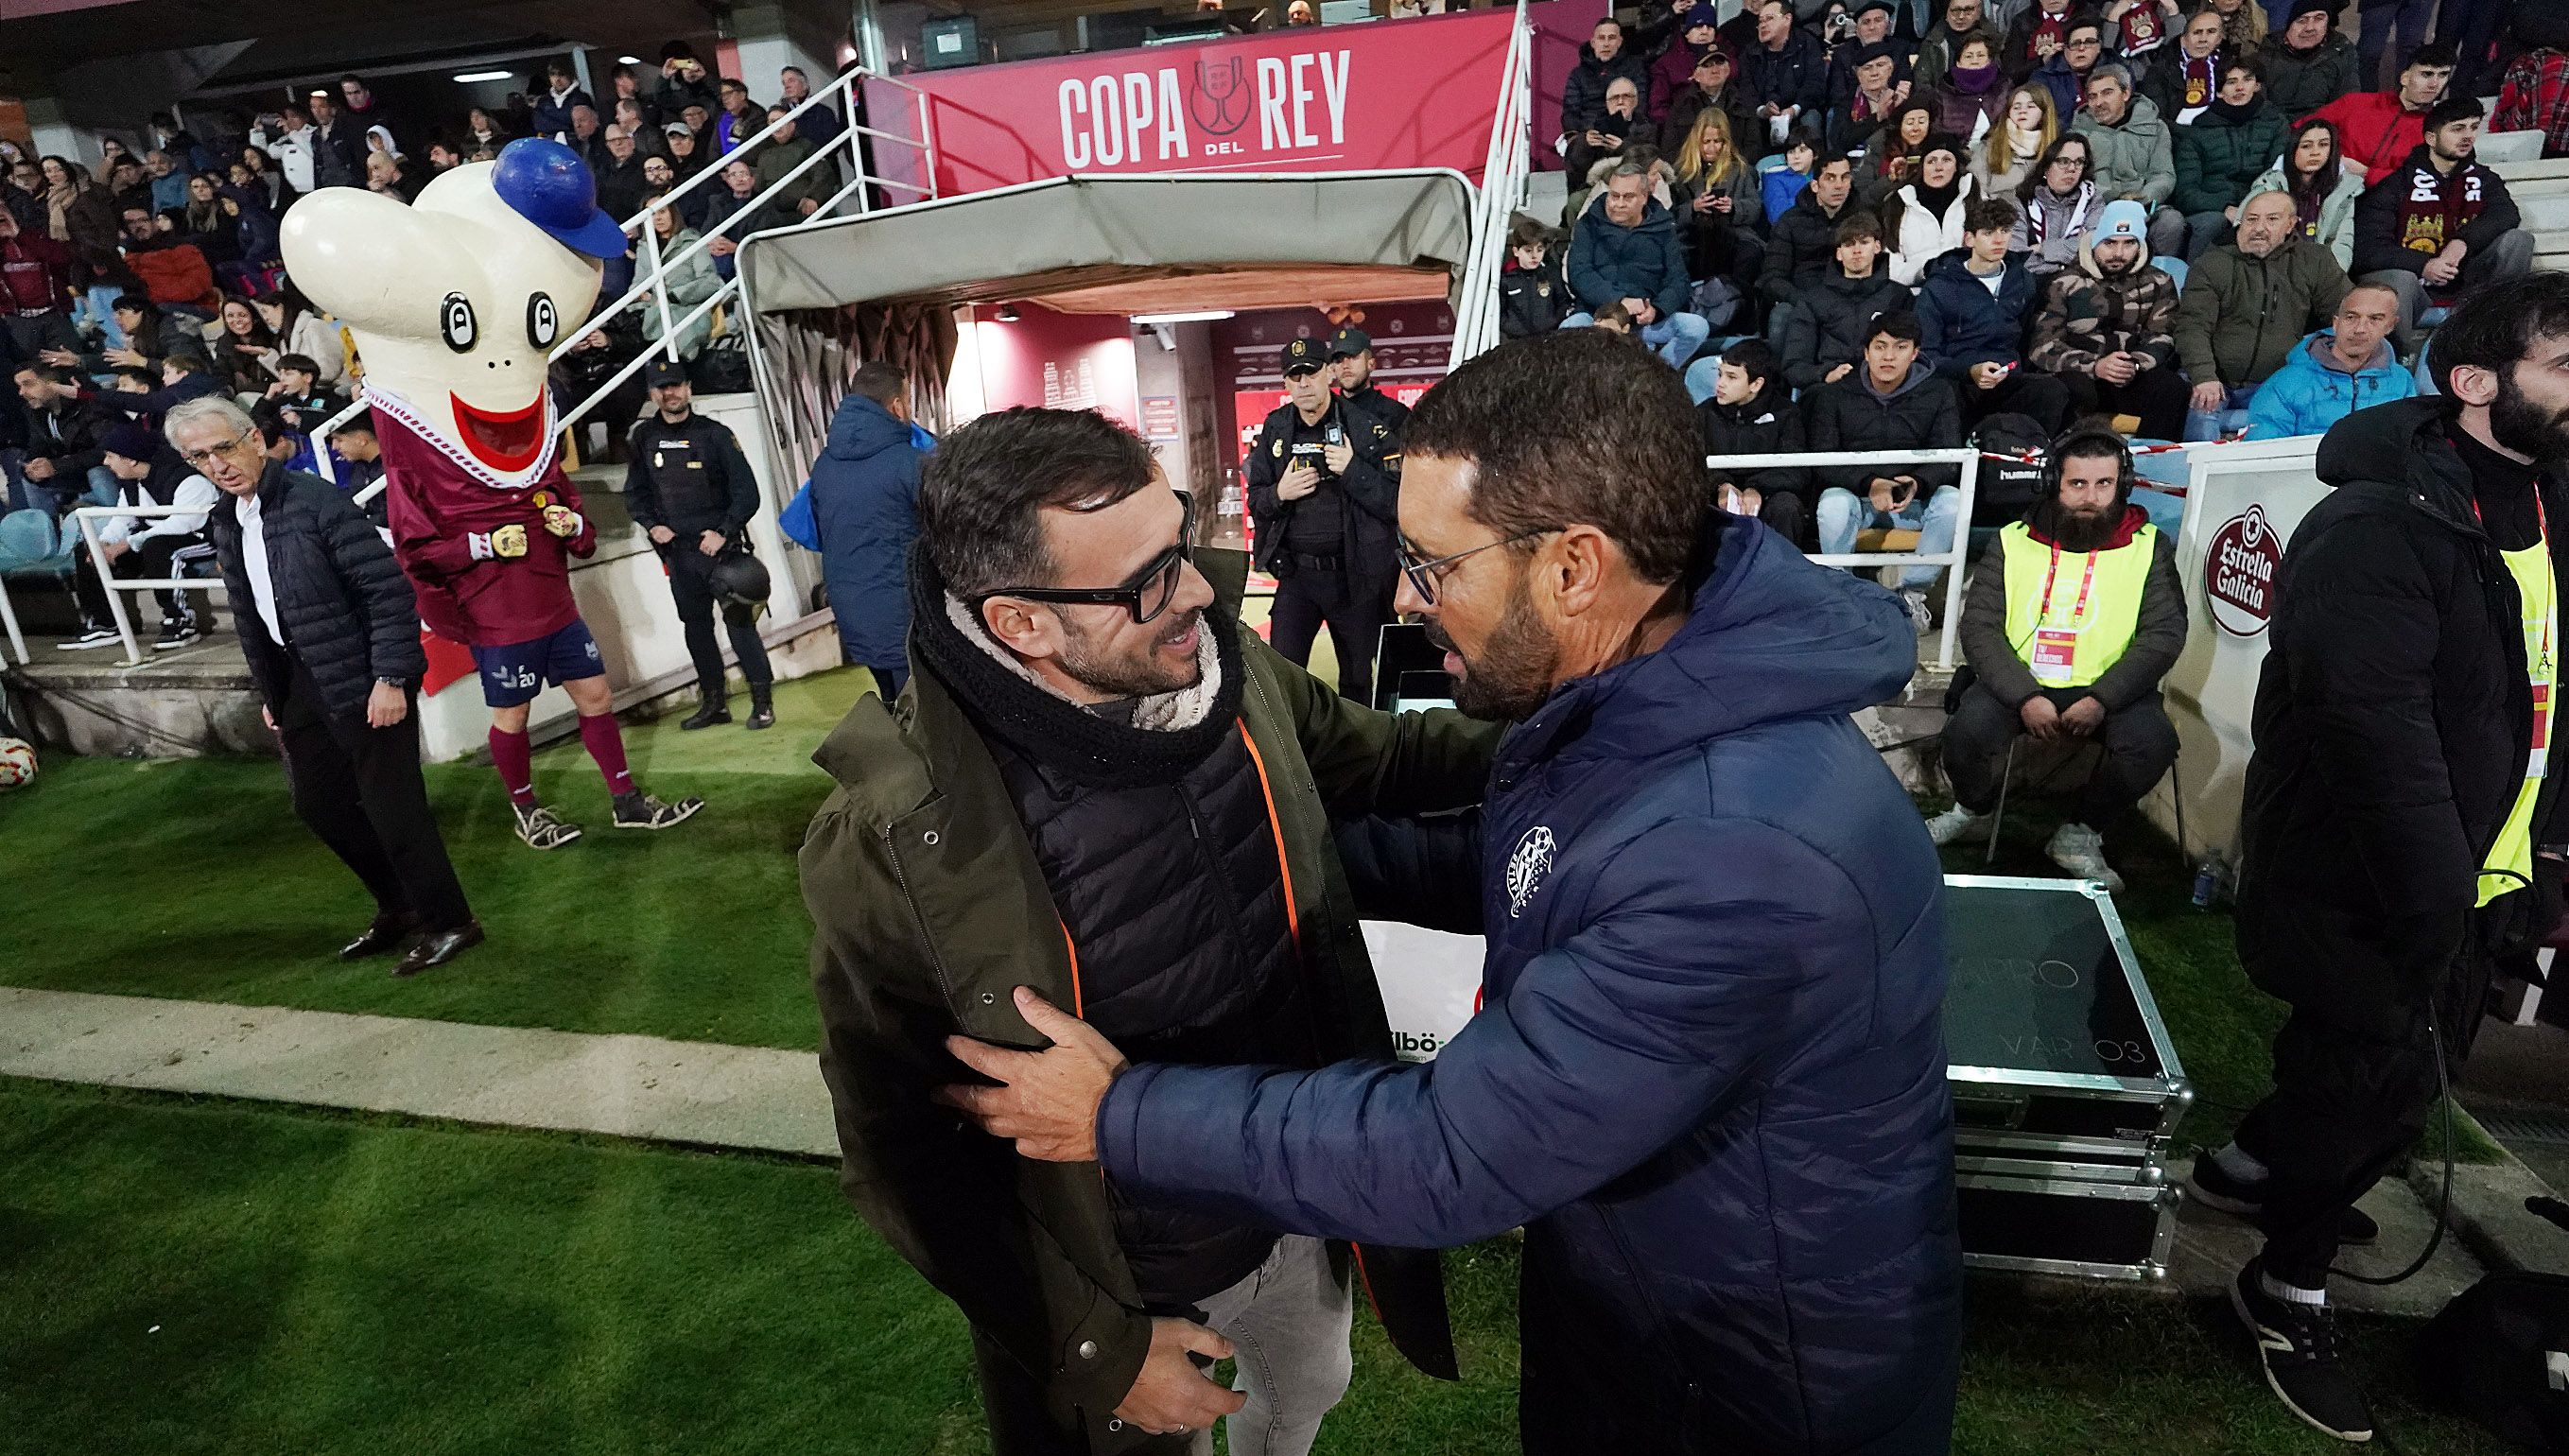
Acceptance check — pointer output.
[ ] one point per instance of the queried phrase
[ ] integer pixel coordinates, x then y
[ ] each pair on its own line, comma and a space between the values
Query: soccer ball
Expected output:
17, 762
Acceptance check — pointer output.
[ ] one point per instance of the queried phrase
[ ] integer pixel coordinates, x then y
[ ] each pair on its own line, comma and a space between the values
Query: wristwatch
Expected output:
399, 682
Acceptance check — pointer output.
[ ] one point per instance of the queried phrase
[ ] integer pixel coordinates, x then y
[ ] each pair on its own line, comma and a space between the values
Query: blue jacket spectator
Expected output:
1961, 323
1610, 262
2315, 388
548, 111
865, 505
1715, 1102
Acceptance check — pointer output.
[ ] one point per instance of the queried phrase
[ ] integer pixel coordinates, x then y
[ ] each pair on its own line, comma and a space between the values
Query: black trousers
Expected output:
2158, 396
2023, 392
1354, 608
692, 582
1013, 1405
153, 558
360, 791
2139, 742
2355, 1071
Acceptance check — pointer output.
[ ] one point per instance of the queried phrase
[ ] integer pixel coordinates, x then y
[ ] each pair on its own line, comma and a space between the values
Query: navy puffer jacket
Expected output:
1710, 1079
865, 503
1610, 262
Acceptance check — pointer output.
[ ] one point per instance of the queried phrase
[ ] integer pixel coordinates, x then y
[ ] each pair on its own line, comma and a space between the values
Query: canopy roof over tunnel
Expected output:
1134, 244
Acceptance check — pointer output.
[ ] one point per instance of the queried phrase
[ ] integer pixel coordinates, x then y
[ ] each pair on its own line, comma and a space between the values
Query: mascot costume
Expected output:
455, 302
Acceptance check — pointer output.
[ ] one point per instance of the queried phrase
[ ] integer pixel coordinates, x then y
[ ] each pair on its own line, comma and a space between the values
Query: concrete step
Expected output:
2545, 213
2498, 147
2537, 169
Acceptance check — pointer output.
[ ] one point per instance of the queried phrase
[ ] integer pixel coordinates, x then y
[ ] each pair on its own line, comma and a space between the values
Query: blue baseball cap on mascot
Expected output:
547, 183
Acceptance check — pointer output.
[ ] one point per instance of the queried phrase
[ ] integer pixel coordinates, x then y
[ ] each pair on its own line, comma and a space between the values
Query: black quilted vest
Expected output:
1174, 901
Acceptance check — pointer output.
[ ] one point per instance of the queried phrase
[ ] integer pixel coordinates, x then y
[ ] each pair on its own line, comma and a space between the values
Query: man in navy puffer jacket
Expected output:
1709, 1076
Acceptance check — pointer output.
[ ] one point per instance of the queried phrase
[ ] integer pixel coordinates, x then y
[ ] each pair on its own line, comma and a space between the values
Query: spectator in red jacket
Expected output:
35, 289
2379, 130
173, 272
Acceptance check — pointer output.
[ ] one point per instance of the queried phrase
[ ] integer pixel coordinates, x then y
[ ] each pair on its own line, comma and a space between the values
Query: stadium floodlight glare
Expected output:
628, 60
1200, 315
472, 75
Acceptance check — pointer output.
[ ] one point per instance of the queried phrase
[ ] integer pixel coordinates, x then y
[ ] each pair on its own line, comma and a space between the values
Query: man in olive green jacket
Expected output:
932, 906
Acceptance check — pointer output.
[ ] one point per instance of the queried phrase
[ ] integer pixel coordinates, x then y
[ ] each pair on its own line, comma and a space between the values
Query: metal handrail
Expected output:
1502, 178
1955, 557
88, 517
654, 277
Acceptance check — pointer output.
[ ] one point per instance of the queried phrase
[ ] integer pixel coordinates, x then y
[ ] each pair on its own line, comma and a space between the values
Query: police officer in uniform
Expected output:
689, 486
1351, 359
1324, 495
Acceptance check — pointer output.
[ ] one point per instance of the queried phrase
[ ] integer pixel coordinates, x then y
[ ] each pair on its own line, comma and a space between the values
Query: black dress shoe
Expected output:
384, 934
440, 946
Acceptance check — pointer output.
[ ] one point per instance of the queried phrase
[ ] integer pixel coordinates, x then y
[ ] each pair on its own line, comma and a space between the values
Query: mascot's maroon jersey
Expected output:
436, 506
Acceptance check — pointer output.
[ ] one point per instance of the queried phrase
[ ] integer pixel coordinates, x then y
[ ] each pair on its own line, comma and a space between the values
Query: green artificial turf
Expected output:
191, 878
180, 1277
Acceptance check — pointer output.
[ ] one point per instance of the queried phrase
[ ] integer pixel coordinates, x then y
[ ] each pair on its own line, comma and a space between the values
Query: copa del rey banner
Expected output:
1388, 93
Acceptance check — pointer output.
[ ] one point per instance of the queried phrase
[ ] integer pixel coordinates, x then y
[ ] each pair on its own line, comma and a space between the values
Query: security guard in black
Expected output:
1324, 494
690, 489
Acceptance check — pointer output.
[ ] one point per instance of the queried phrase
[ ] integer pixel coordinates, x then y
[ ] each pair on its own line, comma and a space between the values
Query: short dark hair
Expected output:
2084, 20
1832, 157
1575, 427
50, 373
561, 68
1755, 357
183, 363
362, 419
2248, 66
1855, 226
982, 491
2441, 54
348, 76
140, 375
301, 362
1985, 214
1899, 324
2494, 326
880, 380
135, 304
2453, 109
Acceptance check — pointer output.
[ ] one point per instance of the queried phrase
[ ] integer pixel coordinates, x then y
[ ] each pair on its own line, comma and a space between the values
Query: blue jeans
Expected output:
98, 304
2232, 416
1676, 336
1701, 376
2373, 35
1843, 513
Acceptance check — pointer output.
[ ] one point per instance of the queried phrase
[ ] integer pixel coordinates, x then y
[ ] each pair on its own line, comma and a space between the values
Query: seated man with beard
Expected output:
2075, 614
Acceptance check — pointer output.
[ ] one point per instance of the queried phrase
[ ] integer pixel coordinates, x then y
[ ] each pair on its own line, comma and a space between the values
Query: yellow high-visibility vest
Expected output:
2071, 615
2509, 866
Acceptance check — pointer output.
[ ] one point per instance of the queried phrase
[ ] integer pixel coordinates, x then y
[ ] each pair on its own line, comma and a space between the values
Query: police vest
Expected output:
2071, 615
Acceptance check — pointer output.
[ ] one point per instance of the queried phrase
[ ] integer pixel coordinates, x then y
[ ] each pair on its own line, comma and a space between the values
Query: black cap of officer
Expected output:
1302, 354
1347, 343
663, 372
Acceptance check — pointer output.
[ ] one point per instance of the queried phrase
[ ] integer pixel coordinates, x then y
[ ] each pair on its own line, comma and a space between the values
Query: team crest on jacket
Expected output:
1526, 867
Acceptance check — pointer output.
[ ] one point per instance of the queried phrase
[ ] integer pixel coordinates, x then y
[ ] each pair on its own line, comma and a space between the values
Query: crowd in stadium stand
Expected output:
1859, 225
156, 277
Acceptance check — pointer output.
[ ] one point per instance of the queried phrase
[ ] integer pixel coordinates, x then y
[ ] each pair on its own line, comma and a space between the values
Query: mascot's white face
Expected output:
455, 302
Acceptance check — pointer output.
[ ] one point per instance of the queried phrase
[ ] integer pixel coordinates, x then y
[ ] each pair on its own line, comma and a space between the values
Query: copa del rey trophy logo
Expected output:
2238, 572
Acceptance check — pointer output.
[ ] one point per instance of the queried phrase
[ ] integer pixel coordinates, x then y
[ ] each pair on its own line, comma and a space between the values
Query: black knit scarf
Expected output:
1088, 749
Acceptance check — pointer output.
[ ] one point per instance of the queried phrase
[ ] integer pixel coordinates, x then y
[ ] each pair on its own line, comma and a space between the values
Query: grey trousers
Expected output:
1289, 1323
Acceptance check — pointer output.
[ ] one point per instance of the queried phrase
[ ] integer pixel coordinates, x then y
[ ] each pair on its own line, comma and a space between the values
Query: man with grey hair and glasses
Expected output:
331, 632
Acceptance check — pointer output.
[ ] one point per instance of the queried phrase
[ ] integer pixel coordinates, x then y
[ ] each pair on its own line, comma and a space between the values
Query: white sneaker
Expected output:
1919, 614
2082, 851
88, 641
1955, 825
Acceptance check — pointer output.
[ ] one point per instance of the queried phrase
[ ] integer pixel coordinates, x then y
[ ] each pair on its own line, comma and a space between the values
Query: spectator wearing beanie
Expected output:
2106, 328
2308, 64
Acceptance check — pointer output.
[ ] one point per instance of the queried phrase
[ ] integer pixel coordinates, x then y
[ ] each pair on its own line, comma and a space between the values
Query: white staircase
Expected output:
2541, 193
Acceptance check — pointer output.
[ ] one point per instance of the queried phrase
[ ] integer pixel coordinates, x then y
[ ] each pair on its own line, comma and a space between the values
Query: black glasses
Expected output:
1424, 574
1146, 595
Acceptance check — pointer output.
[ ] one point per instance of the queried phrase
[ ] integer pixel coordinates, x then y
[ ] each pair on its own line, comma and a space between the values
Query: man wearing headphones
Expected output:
2074, 615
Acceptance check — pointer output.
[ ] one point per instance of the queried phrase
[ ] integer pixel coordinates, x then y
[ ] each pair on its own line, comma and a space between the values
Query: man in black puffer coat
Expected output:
1602, 60
331, 630
2398, 834
1751, 411
1823, 341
